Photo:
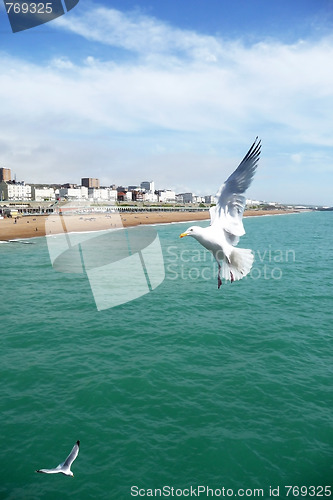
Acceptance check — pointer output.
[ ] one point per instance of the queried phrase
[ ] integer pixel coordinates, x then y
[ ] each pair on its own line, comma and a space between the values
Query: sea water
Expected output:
186, 387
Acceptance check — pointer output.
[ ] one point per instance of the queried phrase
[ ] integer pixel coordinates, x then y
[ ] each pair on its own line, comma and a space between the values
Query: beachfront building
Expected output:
148, 186
138, 195
128, 196
209, 199
12, 190
5, 174
124, 195
150, 197
90, 182
73, 193
44, 193
253, 203
103, 195
186, 197
166, 196
198, 199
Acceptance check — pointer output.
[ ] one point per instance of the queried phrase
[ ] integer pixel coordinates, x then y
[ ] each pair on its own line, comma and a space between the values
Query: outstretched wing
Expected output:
230, 206
72, 456
49, 471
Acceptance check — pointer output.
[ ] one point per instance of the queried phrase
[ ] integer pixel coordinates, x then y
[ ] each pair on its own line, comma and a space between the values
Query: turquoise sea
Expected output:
186, 386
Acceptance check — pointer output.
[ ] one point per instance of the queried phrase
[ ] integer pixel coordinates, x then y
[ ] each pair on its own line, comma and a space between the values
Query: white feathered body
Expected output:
237, 260
64, 467
226, 227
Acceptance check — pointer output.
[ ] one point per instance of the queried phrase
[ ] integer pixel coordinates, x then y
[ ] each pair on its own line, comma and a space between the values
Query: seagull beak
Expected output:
182, 235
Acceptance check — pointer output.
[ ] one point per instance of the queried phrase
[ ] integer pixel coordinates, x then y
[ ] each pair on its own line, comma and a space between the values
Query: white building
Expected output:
250, 203
103, 194
78, 193
150, 197
166, 195
11, 190
209, 199
149, 191
198, 199
42, 193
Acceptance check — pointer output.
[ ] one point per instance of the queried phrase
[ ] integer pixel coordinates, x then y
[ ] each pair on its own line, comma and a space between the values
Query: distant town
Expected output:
45, 196
91, 190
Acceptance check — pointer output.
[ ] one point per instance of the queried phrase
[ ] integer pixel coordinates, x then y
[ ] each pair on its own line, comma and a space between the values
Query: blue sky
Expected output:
173, 91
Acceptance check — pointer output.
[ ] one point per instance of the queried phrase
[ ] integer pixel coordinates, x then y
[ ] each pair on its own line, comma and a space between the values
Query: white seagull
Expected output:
226, 224
64, 467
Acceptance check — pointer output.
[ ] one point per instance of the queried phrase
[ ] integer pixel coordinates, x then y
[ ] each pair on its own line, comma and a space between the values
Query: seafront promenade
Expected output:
30, 226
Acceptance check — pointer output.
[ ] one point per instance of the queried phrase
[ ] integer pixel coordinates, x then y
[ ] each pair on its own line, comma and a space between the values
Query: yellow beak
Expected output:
182, 235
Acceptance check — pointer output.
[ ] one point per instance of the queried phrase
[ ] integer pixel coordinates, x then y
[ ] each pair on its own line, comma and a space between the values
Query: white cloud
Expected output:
140, 33
186, 102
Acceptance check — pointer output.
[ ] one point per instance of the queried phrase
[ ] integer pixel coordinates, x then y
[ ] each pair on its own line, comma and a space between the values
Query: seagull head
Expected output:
191, 231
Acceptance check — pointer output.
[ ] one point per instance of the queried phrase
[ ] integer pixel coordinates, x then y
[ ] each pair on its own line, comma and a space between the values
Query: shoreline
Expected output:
32, 226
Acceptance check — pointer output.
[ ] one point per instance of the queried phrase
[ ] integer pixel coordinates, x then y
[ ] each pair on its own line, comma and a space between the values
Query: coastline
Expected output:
32, 226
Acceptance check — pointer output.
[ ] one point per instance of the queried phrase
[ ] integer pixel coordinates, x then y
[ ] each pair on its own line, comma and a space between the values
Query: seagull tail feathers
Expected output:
241, 261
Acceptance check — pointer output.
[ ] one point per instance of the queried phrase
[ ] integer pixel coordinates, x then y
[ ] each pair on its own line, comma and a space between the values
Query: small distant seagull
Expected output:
226, 224
65, 467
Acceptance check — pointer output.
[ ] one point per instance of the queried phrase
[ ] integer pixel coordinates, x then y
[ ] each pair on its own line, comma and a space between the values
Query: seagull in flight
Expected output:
226, 225
64, 467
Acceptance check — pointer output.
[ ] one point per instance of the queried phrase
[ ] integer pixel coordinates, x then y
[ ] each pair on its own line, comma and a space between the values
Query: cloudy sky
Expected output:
173, 91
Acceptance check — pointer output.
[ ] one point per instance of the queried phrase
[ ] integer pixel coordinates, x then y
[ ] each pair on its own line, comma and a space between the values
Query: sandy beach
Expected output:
31, 226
